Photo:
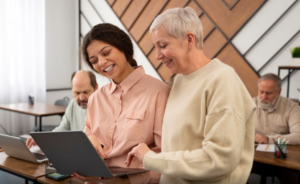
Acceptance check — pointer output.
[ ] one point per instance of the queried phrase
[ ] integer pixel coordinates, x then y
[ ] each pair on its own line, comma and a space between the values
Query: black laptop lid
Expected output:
71, 152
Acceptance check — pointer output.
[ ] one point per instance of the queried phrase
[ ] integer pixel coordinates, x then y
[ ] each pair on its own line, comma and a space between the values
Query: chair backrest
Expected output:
62, 102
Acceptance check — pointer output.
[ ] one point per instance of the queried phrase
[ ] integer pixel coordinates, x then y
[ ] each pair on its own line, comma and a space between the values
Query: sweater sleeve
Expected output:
220, 154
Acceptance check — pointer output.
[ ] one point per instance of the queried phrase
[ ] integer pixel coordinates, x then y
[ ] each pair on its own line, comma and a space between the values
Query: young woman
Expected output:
127, 111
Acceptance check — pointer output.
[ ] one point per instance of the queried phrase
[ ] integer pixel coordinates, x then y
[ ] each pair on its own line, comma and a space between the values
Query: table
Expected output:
38, 110
290, 70
292, 162
70, 180
30, 171
27, 170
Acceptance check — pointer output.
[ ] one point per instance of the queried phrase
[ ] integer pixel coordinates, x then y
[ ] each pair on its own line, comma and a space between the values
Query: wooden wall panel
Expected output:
230, 2
193, 5
230, 56
119, 6
228, 20
110, 2
146, 43
153, 60
164, 72
213, 43
132, 12
221, 20
207, 25
147, 16
174, 4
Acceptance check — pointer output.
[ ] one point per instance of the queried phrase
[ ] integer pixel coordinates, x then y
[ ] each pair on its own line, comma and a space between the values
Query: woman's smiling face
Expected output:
108, 61
171, 51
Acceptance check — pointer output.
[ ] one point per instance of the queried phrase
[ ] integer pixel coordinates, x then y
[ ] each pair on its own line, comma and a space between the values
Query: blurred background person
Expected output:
84, 84
276, 115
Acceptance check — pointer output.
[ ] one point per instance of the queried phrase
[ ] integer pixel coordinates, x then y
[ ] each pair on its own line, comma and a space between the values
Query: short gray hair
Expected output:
273, 77
179, 21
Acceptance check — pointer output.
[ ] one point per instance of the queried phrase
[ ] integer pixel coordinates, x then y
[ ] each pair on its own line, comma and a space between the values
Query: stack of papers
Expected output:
266, 147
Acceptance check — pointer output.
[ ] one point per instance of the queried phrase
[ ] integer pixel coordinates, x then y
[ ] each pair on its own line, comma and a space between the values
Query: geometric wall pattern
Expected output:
225, 26
221, 20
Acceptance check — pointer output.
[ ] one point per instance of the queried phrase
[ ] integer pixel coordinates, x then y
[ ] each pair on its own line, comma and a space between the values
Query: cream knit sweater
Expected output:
208, 129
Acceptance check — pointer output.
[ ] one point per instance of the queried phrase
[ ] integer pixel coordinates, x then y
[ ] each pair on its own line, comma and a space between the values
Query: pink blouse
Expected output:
122, 116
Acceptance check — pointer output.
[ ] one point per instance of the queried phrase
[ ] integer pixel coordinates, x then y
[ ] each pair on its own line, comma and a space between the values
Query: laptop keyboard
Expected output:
124, 171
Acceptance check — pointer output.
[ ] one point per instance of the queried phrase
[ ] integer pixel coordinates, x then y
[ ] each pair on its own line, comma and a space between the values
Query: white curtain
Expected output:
22, 59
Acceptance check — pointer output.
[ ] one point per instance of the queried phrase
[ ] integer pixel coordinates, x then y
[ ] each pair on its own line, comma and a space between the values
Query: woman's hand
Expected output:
97, 146
139, 152
30, 142
102, 180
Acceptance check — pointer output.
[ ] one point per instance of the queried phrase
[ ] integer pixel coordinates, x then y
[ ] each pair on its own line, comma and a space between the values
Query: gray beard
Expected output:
82, 101
268, 106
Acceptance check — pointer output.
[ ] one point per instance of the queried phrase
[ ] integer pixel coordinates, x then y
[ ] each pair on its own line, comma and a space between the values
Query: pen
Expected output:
267, 147
285, 144
284, 156
283, 141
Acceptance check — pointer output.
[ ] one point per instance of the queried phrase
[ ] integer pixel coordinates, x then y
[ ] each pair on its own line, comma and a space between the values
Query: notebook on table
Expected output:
16, 147
72, 152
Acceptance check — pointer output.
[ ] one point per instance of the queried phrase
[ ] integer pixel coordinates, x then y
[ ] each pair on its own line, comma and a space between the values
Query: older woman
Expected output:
208, 126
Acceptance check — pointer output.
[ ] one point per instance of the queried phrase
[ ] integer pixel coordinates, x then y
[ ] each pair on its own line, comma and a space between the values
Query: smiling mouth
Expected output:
168, 62
109, 68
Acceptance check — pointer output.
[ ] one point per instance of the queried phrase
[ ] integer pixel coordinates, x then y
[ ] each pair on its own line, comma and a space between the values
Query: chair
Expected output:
61, 102
5, 131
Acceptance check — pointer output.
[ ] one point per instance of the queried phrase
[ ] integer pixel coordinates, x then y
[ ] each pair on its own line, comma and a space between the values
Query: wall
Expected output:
273, 31
62, 44
264, 30
94, 12
254, 37
61, 58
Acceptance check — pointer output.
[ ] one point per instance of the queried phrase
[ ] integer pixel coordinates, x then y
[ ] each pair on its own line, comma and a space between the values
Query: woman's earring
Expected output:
189, 43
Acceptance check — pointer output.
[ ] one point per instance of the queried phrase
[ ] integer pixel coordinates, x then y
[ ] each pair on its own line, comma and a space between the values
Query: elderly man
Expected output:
84, 84
276, 115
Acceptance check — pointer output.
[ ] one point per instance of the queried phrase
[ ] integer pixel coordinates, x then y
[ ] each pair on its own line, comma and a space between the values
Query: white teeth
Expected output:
168, 62
109, 68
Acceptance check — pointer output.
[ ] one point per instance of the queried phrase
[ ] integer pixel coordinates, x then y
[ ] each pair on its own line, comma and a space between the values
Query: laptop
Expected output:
72, 152
16, 147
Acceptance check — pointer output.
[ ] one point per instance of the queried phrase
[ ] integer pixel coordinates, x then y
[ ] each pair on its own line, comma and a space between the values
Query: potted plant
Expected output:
295, 56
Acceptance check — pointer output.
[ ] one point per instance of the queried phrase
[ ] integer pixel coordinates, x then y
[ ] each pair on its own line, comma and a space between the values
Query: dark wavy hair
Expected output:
112, 35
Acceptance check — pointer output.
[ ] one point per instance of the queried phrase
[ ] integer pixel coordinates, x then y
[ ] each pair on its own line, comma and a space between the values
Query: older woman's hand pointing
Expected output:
138, 151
